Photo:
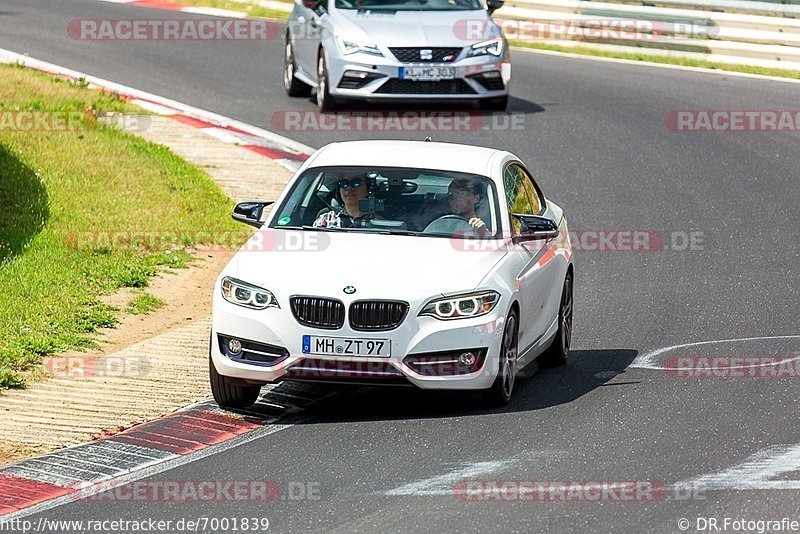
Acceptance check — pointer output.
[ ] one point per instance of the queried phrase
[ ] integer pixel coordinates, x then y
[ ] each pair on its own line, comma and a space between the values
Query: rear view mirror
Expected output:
250, 212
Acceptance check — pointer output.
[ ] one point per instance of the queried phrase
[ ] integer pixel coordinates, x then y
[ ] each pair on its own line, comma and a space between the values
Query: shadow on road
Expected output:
587, 371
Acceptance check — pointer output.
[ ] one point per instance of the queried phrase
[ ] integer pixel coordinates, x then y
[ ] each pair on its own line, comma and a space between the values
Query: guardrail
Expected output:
745, 39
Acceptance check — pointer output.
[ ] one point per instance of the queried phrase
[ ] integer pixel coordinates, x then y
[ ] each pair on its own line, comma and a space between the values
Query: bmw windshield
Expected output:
391, 200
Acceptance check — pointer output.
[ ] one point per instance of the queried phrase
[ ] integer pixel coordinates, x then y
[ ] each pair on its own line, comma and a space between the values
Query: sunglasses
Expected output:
460, 193
355, 183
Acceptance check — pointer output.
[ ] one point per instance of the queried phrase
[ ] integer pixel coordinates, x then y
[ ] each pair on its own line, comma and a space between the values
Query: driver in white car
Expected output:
463, 199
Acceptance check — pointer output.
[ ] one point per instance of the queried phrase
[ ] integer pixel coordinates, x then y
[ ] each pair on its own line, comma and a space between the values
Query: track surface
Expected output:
595, 136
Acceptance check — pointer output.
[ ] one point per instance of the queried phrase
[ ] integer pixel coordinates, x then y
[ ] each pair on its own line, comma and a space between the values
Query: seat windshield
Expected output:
407, 201
410, 5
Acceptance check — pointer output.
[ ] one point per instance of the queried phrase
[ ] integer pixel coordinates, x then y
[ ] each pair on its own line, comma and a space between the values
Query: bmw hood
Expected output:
410, 28
290, 262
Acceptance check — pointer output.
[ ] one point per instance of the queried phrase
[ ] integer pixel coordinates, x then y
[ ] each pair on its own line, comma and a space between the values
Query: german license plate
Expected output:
427, 73
346, 346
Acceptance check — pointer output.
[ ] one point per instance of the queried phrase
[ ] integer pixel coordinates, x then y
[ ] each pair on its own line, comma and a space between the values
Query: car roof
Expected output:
418, 154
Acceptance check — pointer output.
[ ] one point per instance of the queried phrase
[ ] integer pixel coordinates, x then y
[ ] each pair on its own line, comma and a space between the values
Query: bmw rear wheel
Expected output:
558, 352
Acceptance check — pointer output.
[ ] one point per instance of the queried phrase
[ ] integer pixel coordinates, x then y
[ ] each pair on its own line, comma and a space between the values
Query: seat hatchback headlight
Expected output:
349, 46
249, 296
492, 47
462, 306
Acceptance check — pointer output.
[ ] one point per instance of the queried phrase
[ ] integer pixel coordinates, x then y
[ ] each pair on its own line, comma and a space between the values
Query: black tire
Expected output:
557, 353
292, 85
325, 102
503, 387
229, 392
494, 104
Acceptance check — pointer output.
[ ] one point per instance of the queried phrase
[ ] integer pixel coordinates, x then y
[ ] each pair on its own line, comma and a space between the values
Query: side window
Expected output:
535, 196
516, 195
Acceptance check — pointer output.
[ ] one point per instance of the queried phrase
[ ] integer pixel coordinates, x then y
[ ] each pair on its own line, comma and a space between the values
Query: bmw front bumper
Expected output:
273, 349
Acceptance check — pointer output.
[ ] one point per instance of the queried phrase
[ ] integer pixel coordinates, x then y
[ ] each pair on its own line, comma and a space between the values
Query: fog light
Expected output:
491, 74
356, 74
235, 346
467, 359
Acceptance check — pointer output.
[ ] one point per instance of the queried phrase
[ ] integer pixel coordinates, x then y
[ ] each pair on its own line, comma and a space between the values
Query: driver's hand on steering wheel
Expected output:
478, 226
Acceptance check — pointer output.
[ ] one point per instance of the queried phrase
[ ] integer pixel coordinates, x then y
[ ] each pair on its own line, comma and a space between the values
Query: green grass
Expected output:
252, 9
58, 189
670, 60
144, 303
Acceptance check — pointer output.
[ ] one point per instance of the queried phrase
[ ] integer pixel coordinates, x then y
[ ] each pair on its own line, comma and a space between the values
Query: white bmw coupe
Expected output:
436, 265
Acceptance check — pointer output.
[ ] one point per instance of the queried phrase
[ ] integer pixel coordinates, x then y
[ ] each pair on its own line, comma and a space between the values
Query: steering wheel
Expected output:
448, 224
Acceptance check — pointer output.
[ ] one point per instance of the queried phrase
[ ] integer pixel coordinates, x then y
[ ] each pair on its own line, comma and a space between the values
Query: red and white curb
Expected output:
82, 471
282, 150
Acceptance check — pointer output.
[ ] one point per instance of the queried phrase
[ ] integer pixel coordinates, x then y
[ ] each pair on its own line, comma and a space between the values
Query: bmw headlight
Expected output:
462, 306
249, 296
492, 47
349, 46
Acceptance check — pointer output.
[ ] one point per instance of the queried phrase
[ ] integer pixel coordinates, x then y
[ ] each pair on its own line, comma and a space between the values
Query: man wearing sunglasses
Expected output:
352, 187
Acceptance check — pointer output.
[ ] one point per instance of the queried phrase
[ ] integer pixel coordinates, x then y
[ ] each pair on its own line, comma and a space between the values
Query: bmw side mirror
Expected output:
494, 5
534, 227
250, 212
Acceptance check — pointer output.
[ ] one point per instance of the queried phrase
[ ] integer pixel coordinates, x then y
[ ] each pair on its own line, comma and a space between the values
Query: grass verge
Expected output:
144, 303
72, 201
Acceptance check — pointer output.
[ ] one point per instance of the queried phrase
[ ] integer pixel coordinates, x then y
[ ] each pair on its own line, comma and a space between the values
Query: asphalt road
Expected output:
594, 134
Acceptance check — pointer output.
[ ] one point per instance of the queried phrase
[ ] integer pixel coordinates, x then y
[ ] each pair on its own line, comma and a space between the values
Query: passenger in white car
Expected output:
352, 187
